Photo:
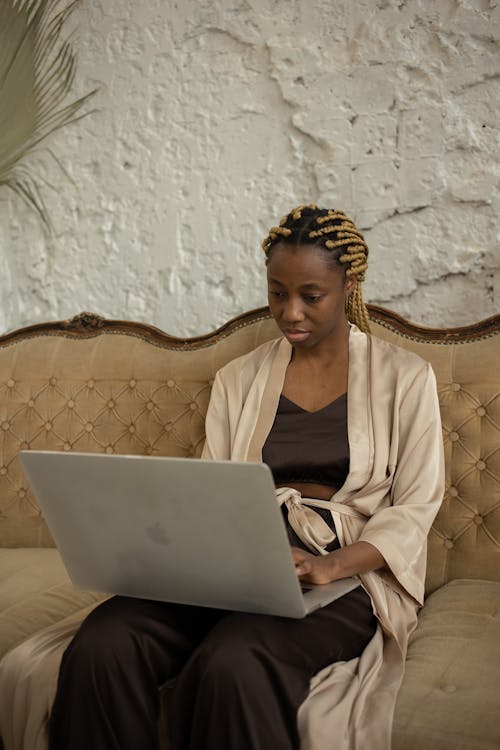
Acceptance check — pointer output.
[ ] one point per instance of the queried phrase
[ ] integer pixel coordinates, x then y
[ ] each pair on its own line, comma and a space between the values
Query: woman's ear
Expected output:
349, 285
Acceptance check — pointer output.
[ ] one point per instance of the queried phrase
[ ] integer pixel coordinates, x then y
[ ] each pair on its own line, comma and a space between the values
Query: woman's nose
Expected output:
293, 311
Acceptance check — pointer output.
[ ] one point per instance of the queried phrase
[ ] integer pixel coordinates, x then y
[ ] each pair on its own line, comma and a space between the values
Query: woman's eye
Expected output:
276, 295
312, 298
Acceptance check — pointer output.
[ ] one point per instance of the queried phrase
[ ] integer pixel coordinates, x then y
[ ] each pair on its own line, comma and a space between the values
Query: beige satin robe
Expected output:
390, 499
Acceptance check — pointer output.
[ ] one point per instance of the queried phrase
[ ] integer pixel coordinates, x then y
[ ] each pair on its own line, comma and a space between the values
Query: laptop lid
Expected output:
208, 533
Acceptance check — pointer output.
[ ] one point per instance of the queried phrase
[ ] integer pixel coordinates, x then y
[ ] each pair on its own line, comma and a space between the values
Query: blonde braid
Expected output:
356, 310
297, 212
273, 235
296, 228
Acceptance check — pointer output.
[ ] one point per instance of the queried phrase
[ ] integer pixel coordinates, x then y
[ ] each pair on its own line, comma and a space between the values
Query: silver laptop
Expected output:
208, 533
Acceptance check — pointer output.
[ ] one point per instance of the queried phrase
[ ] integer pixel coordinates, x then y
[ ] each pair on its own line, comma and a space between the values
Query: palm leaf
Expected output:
37, 69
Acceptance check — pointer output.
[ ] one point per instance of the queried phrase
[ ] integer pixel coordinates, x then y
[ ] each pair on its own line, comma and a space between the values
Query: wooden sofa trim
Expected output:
88, 325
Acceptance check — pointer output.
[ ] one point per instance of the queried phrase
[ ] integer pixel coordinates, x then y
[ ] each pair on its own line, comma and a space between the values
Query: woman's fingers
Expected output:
311, 568
302, 568
301, 560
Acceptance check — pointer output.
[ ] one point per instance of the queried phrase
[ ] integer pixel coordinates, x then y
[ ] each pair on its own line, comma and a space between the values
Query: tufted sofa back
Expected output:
117, 387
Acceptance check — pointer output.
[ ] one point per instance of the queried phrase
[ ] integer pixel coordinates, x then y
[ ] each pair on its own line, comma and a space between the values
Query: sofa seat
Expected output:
35, 592
451, 675
89, 384
451, 669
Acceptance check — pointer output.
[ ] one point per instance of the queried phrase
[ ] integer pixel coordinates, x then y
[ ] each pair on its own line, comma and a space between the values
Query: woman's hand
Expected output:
313, 568
356, 558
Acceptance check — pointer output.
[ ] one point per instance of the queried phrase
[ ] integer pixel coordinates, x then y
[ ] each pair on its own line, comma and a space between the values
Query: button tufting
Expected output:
149, 450
10, 383
454, 436
67, 447
449, 689
71, 404
132, 383
150, 405
453, 492
48, 426
170, 383
480, 466
22, 492
111, 404
211, 382
480, 411
89, 426
53, 381
193, 406
5, 426
109, 449
24, 446
131, 429
169, 426
455, 387
449, 543
31, 403
478, 520
3, 471
90, 383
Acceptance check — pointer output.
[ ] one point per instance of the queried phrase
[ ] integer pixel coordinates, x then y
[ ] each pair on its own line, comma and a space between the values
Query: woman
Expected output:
350, 428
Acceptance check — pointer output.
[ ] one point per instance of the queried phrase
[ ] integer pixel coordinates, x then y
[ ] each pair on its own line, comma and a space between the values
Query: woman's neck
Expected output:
329, 352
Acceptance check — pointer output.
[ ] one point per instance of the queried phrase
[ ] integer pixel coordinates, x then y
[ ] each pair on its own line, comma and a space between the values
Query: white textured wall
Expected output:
217, 116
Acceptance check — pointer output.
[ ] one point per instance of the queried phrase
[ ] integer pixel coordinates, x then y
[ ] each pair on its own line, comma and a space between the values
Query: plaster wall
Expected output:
215, 117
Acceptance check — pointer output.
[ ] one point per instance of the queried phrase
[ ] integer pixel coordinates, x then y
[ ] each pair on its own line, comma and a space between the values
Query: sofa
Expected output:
91, 384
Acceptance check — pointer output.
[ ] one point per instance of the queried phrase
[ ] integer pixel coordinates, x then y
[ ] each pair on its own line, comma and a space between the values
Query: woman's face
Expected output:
307, 295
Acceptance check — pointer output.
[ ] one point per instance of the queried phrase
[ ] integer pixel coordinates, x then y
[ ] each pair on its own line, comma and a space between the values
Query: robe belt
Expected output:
307, 524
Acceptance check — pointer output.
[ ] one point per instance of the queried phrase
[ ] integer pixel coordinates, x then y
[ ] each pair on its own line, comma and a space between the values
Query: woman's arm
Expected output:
395, 535
351, 560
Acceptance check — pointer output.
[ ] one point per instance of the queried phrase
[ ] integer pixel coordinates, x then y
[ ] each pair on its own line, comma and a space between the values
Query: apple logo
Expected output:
157, 534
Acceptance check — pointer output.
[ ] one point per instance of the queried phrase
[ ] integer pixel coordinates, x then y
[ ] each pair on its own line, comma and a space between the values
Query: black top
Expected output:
309, 447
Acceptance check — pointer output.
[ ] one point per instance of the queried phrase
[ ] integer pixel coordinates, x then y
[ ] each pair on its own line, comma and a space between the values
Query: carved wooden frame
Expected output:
88, 325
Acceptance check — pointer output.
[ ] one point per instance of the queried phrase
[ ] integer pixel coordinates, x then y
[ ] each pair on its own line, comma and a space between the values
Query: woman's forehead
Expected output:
301, 256
304, 265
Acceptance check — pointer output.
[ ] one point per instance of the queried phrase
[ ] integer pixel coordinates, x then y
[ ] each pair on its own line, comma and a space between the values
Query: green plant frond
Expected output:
28, 191
41, 154
60, 165
37, 69
6, 171
66, 115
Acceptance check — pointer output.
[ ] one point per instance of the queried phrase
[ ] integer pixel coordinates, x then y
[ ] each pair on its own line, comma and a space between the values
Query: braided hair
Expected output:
334, 232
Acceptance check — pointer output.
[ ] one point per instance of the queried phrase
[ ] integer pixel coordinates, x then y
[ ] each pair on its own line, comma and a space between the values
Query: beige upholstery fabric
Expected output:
35, 592
465, 539
114, 393
120, 393
451, 675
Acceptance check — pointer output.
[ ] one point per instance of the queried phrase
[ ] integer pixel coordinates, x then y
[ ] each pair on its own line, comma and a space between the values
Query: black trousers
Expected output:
240, 677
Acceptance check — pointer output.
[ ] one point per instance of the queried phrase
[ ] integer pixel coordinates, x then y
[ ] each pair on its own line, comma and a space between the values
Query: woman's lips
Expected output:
295, 336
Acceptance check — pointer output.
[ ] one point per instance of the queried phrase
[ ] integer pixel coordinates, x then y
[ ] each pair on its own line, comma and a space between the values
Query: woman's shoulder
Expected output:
251, 361
396, 353
402, 364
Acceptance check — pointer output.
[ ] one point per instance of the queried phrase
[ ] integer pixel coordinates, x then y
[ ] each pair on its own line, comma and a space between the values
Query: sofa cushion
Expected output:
35, 592
449, 699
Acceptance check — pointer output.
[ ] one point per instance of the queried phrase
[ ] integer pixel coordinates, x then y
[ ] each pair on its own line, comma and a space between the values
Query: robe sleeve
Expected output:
399, 531
217, 424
